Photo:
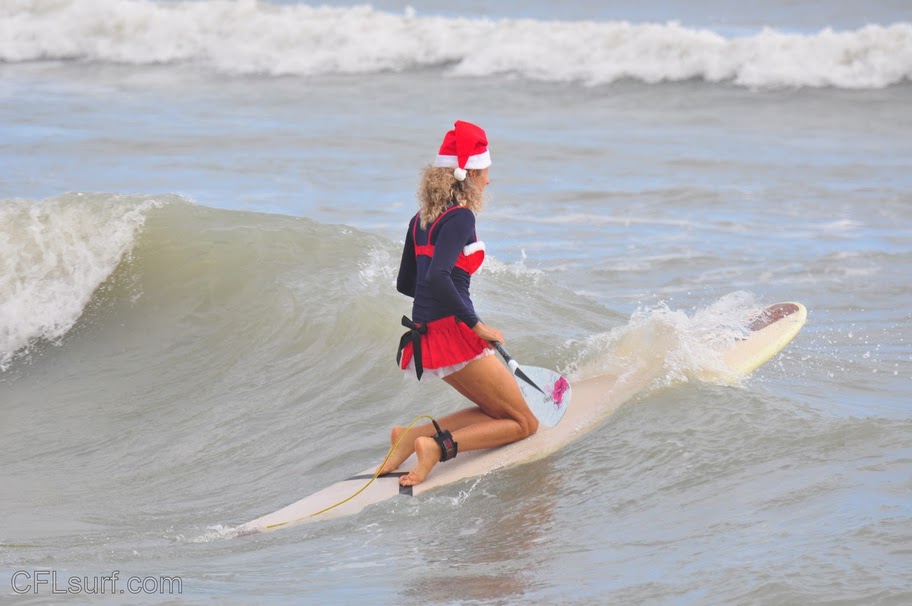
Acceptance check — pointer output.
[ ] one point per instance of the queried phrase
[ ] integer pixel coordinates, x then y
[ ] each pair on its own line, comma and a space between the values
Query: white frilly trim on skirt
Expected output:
439, 373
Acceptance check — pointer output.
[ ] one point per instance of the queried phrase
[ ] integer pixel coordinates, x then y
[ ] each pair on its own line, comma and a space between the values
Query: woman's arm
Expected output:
408, 266
453, 234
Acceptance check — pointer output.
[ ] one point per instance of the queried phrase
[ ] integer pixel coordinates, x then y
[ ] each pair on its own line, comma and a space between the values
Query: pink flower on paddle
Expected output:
560, 388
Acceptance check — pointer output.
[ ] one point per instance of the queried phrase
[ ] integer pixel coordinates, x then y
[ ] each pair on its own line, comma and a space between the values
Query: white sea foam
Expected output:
53, 256
217, 532
250, 37
672, 345
517, 270
378, 269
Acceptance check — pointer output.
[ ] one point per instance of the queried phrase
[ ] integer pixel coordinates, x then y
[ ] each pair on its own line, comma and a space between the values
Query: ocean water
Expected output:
202, 205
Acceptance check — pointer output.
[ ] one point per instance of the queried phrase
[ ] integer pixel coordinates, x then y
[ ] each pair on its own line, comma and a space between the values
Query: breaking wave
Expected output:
261, 38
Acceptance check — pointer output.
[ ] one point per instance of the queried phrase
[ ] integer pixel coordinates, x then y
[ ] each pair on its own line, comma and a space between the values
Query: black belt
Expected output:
413, 336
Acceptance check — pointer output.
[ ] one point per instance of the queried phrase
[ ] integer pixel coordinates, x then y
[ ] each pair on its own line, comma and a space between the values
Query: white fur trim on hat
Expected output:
476, 162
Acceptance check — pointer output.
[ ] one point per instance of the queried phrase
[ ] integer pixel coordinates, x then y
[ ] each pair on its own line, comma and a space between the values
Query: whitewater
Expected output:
202, 209
249, 38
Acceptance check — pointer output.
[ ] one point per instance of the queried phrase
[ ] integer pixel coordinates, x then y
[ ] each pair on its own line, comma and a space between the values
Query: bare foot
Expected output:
403, 451
428, 455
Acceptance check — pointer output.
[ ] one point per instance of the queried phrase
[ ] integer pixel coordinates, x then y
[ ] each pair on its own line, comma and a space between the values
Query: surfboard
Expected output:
592, 401
770, 332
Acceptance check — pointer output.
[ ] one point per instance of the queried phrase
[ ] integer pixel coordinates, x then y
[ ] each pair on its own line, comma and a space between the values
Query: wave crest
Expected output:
55, 254
249, 37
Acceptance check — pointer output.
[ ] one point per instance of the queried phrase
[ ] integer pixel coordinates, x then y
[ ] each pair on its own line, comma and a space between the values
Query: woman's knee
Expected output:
492, 388
529, 424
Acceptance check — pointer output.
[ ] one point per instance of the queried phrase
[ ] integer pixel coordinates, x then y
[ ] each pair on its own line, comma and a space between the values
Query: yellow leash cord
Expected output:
363, 488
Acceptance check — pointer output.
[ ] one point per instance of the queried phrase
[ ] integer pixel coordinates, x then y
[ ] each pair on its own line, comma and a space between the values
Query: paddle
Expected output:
547, 393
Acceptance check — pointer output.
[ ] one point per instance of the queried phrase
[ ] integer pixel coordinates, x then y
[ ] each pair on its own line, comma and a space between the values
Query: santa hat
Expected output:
464, 147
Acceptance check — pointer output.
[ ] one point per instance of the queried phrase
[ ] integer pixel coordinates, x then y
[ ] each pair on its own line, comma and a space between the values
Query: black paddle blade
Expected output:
519, 373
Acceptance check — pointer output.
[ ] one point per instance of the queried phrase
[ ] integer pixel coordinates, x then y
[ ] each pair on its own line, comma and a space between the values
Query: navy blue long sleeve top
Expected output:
438, 287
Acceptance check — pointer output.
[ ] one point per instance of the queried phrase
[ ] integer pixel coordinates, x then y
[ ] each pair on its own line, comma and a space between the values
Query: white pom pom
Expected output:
460, 174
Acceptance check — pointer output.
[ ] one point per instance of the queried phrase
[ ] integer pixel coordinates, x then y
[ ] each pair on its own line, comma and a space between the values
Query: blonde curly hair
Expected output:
438, 188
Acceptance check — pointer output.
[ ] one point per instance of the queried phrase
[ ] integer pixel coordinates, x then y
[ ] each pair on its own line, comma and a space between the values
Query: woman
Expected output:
446, 338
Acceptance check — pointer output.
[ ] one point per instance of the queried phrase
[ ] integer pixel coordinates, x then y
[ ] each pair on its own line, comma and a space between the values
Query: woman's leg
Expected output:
406, 445
506, 417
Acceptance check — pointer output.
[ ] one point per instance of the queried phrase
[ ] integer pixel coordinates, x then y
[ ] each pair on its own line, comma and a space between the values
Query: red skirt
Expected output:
447, 346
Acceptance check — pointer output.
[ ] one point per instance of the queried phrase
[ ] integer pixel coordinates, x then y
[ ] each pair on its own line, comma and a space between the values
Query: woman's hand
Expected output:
488, 333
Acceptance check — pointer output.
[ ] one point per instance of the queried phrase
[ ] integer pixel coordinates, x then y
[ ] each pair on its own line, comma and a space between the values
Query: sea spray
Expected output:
670, 345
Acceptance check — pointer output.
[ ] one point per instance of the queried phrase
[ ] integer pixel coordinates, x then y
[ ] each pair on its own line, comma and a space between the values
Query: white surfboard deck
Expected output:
591, 402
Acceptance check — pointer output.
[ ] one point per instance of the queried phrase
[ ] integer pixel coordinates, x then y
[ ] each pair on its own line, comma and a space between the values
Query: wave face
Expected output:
260, 38
171, 281
87, 271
